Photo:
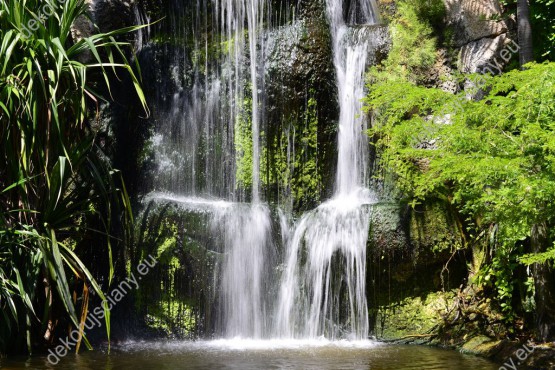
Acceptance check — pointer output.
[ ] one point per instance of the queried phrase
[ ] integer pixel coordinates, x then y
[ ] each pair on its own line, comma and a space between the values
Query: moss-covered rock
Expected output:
414, 319
301, 112
175, 301
415, 262
434, 228
482, 346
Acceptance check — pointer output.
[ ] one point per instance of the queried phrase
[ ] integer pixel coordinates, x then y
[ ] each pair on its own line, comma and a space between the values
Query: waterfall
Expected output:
350, 60
207, 95
195, 146
201, 154
238, 17
323, 291
246, 269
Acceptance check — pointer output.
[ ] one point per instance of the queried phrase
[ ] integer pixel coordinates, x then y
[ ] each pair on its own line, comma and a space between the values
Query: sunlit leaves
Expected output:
493, 159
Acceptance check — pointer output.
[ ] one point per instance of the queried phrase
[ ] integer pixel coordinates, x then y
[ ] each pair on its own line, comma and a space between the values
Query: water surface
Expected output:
261, 354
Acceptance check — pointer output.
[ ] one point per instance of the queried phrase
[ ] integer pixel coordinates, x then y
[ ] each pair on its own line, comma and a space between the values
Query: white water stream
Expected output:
323, 291
322, 287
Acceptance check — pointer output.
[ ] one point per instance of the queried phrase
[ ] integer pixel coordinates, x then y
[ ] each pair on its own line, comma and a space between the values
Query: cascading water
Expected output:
321, 291
324, 286
196, 152
246, 272
245, 229
241, 235
213, 93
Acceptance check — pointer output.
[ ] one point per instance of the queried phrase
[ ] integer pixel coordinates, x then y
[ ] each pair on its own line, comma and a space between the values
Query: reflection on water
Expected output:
251, 354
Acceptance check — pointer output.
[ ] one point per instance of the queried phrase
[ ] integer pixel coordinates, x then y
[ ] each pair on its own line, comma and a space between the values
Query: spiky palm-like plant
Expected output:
54, 183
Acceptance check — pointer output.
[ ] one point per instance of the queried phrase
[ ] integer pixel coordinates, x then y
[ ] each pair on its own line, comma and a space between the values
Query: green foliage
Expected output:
492, 159
544, 257
56, 188
431, 11
543, 28
499, 275
413, 49
542, 13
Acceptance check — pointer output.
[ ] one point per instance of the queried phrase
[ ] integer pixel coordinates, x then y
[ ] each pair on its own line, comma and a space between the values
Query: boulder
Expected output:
473, 20
475, 56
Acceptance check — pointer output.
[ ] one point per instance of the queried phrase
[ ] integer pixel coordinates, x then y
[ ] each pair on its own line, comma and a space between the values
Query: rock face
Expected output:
112, 14
477, 55
413, 279
473, 20
83, 27
409, 276
107, 15
479, 32
301, 109
300, 83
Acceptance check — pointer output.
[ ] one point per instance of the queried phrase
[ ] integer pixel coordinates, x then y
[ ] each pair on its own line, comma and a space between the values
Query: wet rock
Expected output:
301, 96
83, 27
413, 319
112, 14
433, 228
542, 357
386, 228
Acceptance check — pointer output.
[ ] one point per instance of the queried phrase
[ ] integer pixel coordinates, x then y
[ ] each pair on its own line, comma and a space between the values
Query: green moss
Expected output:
243, 144
482, 346
290, 159
433, 227
164, 248
307, 182
414, 316
172, 313
168, 302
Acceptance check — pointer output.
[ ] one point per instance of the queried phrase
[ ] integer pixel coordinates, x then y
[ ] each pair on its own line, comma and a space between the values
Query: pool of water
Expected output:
257, 354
